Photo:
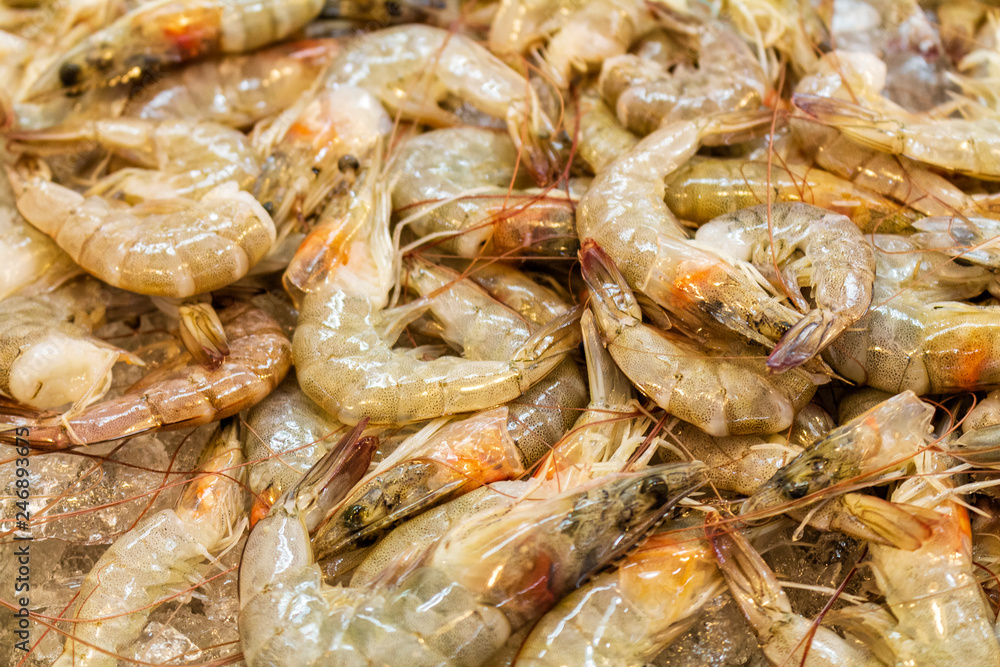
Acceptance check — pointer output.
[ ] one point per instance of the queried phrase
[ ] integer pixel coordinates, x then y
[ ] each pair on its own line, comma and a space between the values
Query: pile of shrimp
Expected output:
530, 332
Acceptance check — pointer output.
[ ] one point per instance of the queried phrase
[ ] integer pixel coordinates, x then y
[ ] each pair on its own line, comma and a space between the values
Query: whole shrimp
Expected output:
825, 249
626, 617
431, 172
161, 33
236, 91
729, 395
175, 158
182, 396
158, 557
786, 637
413, 69
48, 357
623, 210
706, 188
174, 247
479, 585
646, 96
437, 464
346, 365
286, 435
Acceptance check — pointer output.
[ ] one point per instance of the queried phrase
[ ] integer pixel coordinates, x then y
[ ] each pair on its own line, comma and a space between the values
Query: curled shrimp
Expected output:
837, 262
173, 398
722, 396
173, 247
159, 556
627, 616
236, 91
169, 32
646, 96
347, 366
413, 69
623, 210
477, 587
432, 171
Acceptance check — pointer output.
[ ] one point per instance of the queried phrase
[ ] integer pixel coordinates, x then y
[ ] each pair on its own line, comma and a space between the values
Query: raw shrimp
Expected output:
414, 68
730, 395
173, 247
236, 91
786, 637
46, 359
892, 176
646, 96
432, 171
517, 290
598, 30
286, 435
602, 139
160, 556
422, 531
479, 585
626, 617
964, 146
429, 468
706, 188
624, 212
175, 398
883, 439
519, 25
599, 430
346, 366
169, 32
30, 262
327, 138
180, 158
969, 238
826, 251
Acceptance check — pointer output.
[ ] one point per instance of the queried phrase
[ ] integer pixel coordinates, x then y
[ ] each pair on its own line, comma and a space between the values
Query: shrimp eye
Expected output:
797, 489
69, 74
315, 171
269, 207
348, 163
355, 517
393, 8
655, 487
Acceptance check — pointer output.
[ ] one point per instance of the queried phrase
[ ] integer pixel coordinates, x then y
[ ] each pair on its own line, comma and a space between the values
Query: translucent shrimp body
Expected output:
624, 211
824, 249
626, 617
432, 171
158, 557
169, 32
414, 68
480, 584
30, 261
163, 247
348, 368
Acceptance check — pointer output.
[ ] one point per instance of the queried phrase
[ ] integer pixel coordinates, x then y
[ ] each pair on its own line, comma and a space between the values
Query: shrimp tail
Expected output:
608, 285
980, 446
549, 344
807, 338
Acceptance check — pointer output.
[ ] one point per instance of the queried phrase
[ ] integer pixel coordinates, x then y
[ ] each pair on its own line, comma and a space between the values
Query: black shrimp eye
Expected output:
796, 490
656, 487
269, 207
355, 517
348, 163
393, 8
69, 74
